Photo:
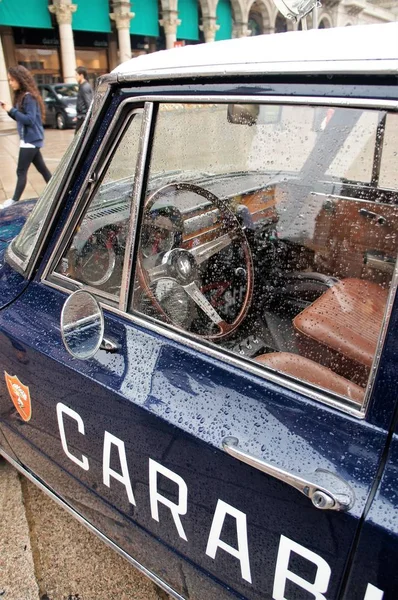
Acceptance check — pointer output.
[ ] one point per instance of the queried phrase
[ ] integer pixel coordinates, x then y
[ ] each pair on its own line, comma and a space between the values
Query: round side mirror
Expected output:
296, 9
82, 325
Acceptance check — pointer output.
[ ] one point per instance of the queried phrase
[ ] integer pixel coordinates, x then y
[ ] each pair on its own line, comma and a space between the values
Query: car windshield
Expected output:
66, 90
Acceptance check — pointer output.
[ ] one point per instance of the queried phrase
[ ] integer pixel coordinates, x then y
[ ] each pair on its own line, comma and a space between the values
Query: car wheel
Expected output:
60, 121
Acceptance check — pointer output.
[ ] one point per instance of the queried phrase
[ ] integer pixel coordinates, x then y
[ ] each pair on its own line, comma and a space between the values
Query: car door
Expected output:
376, 554
221, 477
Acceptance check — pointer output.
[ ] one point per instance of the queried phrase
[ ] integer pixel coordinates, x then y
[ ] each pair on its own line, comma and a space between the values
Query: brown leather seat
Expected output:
307, 370
341, 328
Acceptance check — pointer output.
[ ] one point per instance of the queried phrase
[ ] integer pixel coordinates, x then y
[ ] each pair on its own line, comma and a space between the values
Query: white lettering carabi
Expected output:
318, 588
373, 593
214, 541
61, 410
177, 509
124, 477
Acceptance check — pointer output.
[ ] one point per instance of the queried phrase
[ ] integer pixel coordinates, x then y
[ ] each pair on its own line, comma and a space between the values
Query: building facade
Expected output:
52, 37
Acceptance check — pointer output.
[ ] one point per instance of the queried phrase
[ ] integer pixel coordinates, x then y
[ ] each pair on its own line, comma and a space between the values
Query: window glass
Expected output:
261, 234
66, 90
96, 252
44, 93
389, 159
25, 242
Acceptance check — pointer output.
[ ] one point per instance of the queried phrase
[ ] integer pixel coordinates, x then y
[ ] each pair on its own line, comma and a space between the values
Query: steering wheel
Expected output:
181, 265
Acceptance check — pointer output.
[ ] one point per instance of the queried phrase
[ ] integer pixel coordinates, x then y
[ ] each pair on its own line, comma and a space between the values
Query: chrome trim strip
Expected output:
257, 99
335, 196
135, 204
56, 275
64, 237
385, 66
91, 528
341, 403
71, 284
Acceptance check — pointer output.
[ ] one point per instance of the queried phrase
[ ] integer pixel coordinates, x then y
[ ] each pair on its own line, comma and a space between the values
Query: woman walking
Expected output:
28, 112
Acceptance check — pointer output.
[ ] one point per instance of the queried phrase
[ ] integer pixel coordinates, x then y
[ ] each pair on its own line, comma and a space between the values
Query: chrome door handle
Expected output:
369, 214
326, 490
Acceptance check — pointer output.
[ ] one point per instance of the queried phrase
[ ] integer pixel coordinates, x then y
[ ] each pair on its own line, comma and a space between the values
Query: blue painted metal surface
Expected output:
174, 406
11, 222
376, 555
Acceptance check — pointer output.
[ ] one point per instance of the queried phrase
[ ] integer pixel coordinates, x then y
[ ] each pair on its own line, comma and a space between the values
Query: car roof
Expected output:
357, 49
58, 84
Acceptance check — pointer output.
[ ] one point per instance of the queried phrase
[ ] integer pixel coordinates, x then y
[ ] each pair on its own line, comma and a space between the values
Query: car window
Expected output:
23, 245
389, 157
96, 252
68, 91
271, 238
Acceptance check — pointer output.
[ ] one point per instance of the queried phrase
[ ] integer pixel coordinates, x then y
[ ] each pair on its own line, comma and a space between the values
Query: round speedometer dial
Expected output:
162, 230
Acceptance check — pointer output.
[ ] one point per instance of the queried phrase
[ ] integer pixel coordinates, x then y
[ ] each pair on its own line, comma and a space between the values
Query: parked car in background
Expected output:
60, 103
199, 323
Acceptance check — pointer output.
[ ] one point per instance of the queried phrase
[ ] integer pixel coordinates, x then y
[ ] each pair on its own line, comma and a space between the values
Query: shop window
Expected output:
43, 63
95, 61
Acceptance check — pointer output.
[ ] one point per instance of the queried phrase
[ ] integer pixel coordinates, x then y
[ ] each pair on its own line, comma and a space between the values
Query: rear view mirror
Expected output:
243, 114
296, 9
252, 114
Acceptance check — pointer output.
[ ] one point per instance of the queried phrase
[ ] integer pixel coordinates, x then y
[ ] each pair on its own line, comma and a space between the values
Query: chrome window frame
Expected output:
101, 160
325, 397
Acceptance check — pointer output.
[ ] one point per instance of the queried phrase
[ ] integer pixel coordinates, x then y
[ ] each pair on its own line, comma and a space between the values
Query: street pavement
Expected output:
45, 554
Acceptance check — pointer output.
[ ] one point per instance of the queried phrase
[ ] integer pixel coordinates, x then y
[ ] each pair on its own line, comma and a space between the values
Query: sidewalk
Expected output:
55, 144
17, 572
45, 554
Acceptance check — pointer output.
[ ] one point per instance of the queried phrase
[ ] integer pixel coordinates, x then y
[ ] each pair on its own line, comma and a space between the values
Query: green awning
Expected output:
29, 13
146, 20
189, 17
224, 20
91, 15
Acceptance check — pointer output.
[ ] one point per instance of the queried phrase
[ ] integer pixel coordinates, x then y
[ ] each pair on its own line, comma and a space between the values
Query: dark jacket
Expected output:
28, 118
84, 97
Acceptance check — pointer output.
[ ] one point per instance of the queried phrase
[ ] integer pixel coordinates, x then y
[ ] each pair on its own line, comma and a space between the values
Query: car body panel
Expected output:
11, 222
182, 429
376, 552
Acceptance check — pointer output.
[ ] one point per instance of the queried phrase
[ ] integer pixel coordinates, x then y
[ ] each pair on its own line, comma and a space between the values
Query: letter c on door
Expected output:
61, 409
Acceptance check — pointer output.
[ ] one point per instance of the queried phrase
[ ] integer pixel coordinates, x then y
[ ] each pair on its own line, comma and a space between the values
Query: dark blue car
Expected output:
60, 104
198, 323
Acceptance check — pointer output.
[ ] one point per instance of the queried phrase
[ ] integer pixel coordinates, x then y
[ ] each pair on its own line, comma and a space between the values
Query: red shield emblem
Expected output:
19, 395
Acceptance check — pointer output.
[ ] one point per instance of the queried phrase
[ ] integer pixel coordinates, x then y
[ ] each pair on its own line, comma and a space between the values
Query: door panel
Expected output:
173, 406
374, 568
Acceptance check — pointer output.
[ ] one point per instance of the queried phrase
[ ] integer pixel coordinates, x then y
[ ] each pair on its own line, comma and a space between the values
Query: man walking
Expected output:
84, 96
